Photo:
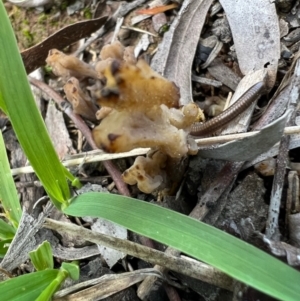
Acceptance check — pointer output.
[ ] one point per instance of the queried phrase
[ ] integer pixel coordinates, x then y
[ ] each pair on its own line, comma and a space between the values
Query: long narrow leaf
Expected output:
26, 287
7, 231
17, 101
8, 193
225, 252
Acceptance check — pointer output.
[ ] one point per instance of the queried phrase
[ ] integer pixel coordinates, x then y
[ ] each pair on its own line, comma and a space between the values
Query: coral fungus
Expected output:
67, 66
81, 103
138, 108
146, 111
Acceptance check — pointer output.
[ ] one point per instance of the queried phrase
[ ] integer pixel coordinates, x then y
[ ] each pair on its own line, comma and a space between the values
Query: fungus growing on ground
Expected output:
146, 112
147, 172
138, 108
67, 66
81, 103
112, 51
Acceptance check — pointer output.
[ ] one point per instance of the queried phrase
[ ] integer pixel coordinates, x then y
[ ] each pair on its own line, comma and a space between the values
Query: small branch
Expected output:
189, 267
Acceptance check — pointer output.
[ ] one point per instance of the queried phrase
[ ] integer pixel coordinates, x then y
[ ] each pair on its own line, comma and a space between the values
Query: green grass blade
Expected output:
42, 257
17, 100
6, 231
50, 290
8, 193
223, 251
4, 244
26, 287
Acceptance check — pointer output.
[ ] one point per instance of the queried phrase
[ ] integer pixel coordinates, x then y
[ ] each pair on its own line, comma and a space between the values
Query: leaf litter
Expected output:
249, 49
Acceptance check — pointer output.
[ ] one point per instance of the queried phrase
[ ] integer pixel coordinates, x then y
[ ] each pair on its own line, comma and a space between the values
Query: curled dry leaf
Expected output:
282, 249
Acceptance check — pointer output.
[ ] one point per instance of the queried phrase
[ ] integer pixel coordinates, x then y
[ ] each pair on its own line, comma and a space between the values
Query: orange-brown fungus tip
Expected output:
81, 103
147, 172
145, 112
136, 87
67, 66
114, 51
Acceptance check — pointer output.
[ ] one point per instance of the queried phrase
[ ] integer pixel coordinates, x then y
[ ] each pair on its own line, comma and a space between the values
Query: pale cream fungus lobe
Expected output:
146, 112
147, 172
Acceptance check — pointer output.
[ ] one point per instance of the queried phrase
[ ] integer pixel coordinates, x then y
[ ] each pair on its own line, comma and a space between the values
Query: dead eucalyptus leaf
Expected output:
175, 54
255, 30
103, 226
105, 286
282, 249
224, 74
294, 226
241, 123
35, 56
58, 132
244, 150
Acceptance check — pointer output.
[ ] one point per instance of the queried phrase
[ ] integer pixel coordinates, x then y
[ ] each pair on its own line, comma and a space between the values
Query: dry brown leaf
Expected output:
35, 56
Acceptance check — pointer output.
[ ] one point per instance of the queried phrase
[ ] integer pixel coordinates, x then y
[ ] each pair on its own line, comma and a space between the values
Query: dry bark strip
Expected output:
272, 228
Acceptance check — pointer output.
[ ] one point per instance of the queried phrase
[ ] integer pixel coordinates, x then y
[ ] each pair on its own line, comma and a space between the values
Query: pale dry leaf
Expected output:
241, 123
58, 132
103, 226
243, 150
255, 30
175, 54
282, 249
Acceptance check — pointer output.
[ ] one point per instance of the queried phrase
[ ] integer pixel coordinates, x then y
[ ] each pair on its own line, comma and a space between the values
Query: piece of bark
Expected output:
58, 132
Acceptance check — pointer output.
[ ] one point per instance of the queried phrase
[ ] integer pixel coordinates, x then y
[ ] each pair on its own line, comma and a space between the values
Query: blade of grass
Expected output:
42, 257
17, 101
27, 287
6, 230
227, 253
8, 193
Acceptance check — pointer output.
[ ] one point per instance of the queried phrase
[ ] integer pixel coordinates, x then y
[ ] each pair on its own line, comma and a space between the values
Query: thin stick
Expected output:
98, 155
190, 267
